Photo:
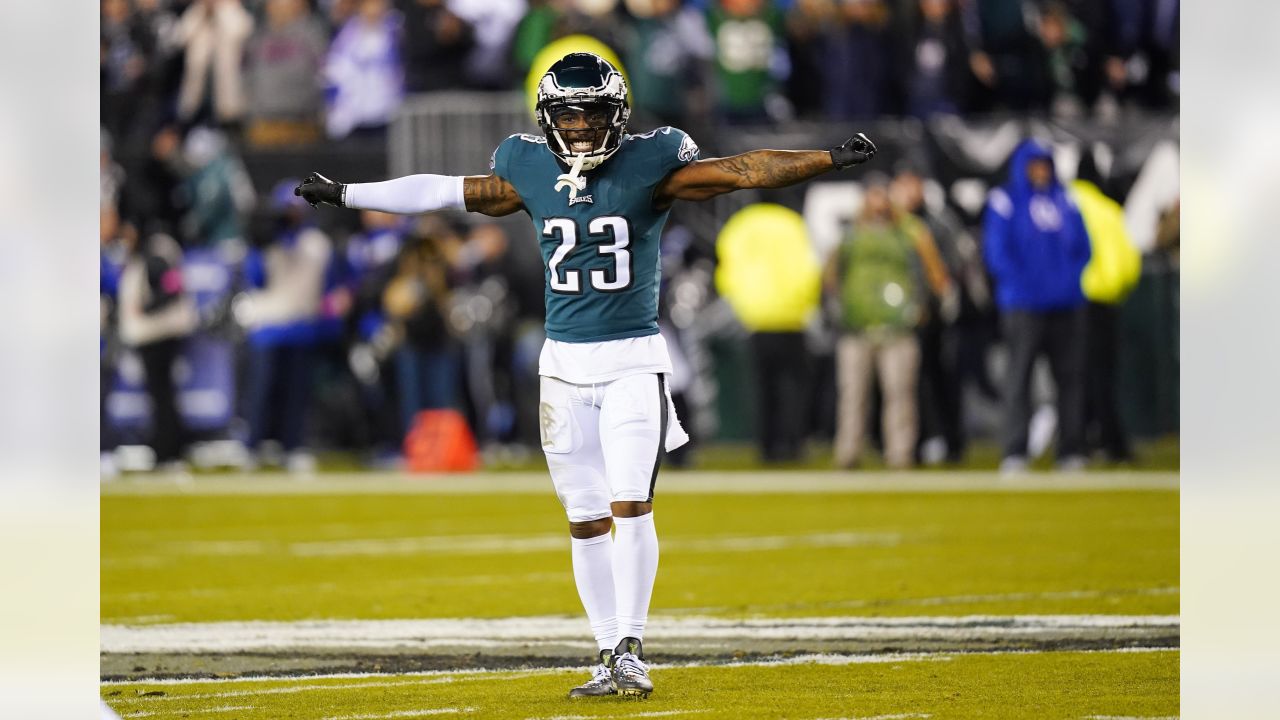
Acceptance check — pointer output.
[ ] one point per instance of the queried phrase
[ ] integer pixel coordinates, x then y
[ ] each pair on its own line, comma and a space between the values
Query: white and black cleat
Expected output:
630, 673
601, 682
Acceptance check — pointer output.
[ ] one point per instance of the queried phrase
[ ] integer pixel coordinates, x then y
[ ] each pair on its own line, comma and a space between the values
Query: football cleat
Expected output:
630, 673
601, 682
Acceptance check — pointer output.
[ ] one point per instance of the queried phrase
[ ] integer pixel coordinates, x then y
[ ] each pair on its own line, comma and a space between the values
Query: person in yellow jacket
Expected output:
1111, 274
769, 275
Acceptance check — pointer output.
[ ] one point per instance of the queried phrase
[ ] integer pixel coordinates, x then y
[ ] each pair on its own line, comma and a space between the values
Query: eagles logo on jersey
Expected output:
583, 87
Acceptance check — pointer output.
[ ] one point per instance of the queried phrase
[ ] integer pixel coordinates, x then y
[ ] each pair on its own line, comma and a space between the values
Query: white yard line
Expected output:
901, 716
485, 545
480, 674
250, 636
404, 714
221, 709
935, 601
288, 690
670, 483
650, 714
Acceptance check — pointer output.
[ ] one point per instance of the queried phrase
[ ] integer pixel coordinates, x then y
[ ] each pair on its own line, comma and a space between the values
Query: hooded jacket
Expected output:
1034, 241
1116, 265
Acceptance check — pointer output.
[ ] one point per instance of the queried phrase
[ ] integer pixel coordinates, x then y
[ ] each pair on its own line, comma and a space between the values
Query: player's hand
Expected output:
320, 189
855, 151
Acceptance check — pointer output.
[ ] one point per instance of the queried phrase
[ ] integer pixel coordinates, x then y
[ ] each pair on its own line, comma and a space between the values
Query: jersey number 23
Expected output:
615, 233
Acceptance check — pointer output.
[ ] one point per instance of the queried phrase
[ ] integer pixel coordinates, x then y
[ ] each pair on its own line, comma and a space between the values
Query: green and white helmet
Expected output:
589, 84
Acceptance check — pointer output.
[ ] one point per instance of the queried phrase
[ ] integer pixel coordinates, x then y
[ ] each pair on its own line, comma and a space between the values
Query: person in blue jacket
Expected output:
291, 310
1035, 246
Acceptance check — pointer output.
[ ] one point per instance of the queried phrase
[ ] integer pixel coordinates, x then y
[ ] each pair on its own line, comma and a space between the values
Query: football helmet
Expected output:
585, 86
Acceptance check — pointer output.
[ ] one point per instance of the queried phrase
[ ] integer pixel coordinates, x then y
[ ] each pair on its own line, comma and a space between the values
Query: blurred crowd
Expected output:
294, 71
242, 327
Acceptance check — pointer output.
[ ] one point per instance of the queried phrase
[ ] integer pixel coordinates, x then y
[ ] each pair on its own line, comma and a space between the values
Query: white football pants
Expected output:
602, 440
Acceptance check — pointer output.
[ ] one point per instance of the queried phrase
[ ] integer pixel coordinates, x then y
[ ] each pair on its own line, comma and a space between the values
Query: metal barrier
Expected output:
453, 133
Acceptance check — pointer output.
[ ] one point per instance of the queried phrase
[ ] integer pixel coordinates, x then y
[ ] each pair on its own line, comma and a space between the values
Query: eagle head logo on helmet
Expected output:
582, 107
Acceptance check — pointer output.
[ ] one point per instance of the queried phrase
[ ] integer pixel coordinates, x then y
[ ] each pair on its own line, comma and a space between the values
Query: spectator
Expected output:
338, 12
1143, 62
494, 22
216, 190
123, 61
1168, 241
416, 301
155, 318
857, 63
535, 30
747, 35
370, 258
666, 48
1006, 63
936, 73
113, 254
283, 65
940, 336
293, 308
483, 312
437, 43
1111, 275
881, 276
769, 276
214, 33
807, 21
1063, 58
153, 105
363, 73
1036, 246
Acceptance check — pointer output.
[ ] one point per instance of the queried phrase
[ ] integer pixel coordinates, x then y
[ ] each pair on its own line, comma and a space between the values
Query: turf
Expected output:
177, 557
1024, 685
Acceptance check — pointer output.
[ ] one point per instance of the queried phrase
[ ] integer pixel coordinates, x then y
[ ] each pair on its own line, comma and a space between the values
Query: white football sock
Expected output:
635, 566
593, 573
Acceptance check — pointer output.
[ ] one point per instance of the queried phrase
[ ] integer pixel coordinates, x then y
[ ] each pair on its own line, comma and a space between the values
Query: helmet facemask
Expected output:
580, 119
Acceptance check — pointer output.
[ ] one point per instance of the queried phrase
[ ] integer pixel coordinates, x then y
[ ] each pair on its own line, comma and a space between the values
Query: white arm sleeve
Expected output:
407, 195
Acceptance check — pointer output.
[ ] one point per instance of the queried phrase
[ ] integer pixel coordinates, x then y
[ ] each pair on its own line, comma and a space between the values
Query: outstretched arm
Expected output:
413, 194
705, 179
490, 195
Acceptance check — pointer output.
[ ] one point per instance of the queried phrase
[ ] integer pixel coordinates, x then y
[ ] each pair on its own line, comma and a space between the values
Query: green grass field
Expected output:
781, 546
1037, 685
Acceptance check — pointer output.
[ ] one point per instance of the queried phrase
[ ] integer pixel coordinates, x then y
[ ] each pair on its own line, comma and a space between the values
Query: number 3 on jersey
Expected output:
608, 227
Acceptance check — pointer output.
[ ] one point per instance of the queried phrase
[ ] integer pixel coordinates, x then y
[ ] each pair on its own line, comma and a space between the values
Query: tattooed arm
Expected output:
705, 179
490, 195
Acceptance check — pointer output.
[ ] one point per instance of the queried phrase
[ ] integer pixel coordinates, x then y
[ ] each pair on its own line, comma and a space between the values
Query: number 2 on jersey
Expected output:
608, 227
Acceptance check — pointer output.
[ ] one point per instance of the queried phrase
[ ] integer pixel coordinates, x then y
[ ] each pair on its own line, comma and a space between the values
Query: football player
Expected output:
598, 198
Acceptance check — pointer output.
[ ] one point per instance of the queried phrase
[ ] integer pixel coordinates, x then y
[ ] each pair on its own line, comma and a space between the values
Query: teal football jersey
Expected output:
599, 243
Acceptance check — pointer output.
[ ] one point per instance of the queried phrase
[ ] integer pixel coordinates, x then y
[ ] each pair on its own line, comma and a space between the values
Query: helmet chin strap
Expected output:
573, 179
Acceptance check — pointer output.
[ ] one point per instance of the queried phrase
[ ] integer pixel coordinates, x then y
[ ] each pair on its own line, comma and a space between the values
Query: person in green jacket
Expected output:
880, 277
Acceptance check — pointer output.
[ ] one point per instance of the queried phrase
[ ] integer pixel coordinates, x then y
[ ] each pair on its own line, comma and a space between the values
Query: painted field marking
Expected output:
901, 716
405, 714
1128, 717
488, 545
149, 699
221, 709
262, 635
696, 482
934, 601
650, 714
482, 674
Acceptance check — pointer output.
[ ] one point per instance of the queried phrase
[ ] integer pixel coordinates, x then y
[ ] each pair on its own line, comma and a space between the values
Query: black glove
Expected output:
855, 151
320, 189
